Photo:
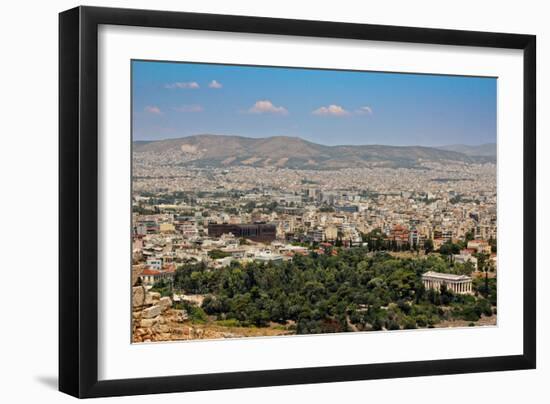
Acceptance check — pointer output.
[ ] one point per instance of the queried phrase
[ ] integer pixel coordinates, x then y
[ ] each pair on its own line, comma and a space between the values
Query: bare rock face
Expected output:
180, 316
153, 296
141, 298
151, 312
138, 296
196, 333
149, 322
140, 332
165, 303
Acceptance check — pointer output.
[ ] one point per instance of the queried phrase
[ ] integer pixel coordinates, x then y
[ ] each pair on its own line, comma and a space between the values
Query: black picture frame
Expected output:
78, 201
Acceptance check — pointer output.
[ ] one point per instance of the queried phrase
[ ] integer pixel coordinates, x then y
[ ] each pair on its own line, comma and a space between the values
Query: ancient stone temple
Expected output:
460, 284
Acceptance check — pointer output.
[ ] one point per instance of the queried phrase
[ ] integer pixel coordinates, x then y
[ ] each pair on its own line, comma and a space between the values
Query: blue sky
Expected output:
324, 106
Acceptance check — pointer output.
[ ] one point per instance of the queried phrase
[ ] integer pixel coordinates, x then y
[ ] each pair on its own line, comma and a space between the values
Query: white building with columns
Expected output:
459, 284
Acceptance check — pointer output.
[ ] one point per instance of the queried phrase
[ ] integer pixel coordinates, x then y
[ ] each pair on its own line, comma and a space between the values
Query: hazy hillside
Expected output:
488, 149
292, 152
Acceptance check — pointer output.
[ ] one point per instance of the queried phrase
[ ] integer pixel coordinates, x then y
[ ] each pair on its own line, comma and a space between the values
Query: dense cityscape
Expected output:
275, 201
263, 248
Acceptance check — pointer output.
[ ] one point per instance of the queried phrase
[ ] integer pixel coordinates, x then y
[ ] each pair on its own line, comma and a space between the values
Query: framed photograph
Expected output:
251, 201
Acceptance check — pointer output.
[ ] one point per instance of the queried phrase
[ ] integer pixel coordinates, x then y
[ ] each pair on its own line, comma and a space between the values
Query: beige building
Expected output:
460, 284
481, 246
464, 258
167, 228
331, 233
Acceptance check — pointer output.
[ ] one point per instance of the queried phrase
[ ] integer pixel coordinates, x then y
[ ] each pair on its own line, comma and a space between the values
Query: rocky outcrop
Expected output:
165, 303
152, 316
151, 312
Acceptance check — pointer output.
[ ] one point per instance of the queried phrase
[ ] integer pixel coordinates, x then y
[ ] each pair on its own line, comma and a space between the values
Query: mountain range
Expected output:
293, 152
487, 149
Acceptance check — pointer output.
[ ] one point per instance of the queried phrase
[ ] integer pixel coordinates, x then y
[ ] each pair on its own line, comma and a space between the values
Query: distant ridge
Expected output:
487, 149
138, 143
293, 152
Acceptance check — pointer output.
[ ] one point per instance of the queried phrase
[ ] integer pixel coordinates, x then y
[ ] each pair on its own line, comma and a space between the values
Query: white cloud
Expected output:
215, 84
152, 109
266, 106
334, 110
366, 110
183, 85
189, 108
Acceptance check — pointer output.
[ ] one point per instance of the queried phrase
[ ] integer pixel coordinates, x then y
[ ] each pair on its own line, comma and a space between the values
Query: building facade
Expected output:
460, 284
264, 232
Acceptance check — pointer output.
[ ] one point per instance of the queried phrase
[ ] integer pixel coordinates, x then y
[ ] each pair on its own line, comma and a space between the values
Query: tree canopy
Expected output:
319, 293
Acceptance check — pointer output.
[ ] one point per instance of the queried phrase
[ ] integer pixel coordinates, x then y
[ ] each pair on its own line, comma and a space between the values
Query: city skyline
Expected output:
329, 107
320, 213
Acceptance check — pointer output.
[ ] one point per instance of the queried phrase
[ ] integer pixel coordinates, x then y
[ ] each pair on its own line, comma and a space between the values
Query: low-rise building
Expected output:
464, 258
460, 284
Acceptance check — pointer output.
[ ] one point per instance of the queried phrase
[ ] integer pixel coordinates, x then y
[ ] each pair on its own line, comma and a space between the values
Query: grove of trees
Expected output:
319, 293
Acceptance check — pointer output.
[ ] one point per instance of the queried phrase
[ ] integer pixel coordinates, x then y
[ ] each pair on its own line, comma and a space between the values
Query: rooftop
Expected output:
447, 277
